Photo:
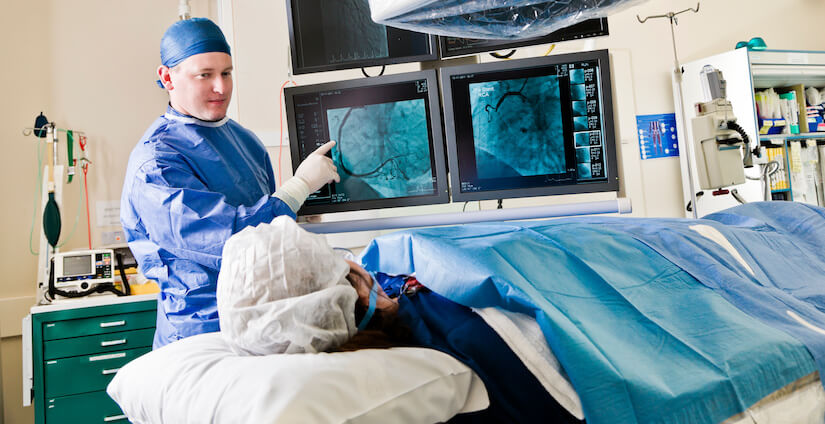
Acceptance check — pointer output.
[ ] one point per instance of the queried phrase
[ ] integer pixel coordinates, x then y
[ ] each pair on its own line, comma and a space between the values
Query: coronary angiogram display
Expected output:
382, 150
517, 127
353, 35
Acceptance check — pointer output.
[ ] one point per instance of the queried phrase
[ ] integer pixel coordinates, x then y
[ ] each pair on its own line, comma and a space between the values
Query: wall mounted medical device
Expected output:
718, 141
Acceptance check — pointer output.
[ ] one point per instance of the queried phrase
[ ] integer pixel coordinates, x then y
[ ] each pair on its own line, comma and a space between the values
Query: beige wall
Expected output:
89, 65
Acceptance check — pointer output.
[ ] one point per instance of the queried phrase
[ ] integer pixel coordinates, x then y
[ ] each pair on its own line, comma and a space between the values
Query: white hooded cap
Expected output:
282, 289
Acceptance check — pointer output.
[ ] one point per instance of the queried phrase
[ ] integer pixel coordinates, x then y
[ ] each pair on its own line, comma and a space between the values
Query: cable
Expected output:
38, 194
85, 168
123, 280
735, 193
364, 71
689, 206
503, 56
552, 46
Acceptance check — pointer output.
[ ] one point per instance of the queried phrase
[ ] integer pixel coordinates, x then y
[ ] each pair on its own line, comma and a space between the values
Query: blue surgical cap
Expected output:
190, 37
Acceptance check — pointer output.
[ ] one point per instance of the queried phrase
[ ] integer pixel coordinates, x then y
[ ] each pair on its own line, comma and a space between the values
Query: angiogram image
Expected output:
382, 150
577, 92
583, 163
517, 127
350, 34
577, 76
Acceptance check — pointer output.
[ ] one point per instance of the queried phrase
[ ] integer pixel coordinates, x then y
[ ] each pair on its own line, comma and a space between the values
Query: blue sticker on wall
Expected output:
657, 136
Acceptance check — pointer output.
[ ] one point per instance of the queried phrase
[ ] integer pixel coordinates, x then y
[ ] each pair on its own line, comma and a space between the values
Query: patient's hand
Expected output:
362, 282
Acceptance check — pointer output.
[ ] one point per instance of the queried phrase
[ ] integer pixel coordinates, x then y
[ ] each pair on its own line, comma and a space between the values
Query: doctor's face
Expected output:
200, 86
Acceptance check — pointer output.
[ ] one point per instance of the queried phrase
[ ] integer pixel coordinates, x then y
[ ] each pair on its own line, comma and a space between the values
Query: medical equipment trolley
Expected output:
74, 350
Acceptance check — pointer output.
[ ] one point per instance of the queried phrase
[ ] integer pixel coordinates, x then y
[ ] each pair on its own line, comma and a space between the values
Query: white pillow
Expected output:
200, 380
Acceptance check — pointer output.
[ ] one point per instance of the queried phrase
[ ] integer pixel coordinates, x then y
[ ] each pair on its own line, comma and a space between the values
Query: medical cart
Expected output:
75, 348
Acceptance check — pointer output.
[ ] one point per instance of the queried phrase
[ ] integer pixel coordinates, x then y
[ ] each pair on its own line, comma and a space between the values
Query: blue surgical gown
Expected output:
189, 186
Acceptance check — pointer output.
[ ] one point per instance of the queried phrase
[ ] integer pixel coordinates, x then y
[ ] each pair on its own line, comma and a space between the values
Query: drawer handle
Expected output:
110, 371
114, 418
109, 356
112, 342
112, 324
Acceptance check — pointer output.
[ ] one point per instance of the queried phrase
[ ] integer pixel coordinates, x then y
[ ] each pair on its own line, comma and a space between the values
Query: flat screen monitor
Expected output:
530, 127
390, 147
454, 46
328, 35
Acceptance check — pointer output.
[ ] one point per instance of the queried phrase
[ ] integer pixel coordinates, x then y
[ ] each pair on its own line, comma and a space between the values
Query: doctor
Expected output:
196, 177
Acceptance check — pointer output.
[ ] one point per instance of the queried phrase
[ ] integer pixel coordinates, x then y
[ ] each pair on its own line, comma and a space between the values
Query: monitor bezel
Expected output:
612, 183
298, 70
554, 37
441, 195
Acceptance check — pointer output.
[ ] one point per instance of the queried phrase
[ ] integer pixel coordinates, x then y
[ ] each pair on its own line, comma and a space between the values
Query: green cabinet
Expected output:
76, 351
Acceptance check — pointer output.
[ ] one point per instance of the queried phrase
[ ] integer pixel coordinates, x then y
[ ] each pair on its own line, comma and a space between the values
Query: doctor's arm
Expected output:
181, 215
313, 173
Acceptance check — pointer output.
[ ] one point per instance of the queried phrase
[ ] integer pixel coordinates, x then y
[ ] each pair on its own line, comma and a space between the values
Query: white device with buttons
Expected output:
83, 269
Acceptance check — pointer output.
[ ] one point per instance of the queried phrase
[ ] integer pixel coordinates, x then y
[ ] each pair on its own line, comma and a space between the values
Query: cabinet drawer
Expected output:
82, 374
64, 348
98, 325
88, 408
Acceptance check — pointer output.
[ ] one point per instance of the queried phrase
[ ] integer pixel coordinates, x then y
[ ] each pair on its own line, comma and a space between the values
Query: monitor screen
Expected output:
453, 46
530, 127
389, 149
328, 35
77, 265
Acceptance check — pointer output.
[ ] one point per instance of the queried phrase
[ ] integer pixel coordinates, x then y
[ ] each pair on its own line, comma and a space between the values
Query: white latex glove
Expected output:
317, 169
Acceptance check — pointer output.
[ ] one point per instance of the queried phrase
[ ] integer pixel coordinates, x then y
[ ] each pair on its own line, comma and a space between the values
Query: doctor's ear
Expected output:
164, 77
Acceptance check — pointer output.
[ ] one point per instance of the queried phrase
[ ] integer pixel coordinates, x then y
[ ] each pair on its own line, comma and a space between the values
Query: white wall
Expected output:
88, 65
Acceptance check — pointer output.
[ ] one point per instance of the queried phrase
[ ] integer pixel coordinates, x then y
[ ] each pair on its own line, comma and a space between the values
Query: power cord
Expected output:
364, 71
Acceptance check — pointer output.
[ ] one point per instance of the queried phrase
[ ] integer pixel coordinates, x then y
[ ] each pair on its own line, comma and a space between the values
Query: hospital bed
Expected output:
620, 319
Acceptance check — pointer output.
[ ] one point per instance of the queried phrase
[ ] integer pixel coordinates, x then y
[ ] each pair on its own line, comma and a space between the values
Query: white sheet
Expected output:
524, 337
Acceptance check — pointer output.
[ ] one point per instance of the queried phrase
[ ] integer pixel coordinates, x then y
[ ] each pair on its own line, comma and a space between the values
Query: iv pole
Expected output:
678, 73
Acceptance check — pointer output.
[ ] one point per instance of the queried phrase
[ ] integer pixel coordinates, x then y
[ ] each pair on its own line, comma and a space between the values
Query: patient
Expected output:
284, 290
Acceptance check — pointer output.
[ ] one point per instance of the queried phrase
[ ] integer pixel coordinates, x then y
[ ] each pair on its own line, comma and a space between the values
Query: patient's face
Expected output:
362, 282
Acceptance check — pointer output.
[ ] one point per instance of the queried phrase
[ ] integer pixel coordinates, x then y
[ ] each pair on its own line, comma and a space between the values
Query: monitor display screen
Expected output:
77, 265
530, 127
327, 35
454, 46
389, 149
